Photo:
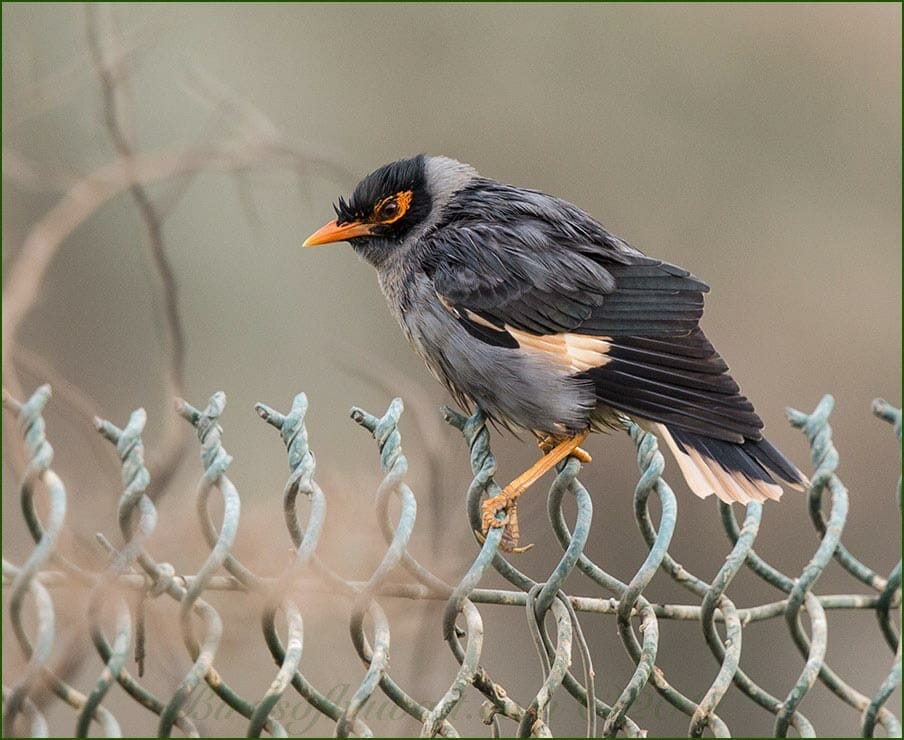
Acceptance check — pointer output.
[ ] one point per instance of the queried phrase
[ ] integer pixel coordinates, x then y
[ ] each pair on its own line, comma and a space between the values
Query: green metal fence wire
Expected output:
559, 642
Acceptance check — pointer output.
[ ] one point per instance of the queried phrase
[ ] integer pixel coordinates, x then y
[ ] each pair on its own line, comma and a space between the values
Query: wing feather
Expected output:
543, 271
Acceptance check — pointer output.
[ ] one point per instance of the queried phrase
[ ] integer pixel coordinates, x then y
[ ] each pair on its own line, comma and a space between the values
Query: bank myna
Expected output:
525, 306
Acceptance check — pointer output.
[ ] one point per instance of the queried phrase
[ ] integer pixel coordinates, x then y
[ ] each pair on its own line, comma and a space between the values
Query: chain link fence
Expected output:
115, 597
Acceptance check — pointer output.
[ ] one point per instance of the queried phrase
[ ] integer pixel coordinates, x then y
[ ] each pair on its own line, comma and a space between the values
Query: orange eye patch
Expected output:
391, 209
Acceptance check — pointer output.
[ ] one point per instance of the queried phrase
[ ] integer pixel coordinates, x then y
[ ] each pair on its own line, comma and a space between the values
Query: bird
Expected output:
527, 308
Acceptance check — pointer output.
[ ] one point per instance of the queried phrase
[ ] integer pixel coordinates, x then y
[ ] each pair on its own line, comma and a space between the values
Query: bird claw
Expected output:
517, 550
503, 503
481, 538
546, 444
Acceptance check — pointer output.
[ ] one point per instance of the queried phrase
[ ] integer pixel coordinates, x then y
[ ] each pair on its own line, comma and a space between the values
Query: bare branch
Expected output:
153, 224
87, 196
112, 75
70, 79
252, 142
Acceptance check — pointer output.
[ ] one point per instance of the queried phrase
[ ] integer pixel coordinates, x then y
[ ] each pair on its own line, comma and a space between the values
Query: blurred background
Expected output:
759, 146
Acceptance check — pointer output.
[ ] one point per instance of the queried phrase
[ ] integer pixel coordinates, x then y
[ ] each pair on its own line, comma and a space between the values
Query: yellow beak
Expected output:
333, 232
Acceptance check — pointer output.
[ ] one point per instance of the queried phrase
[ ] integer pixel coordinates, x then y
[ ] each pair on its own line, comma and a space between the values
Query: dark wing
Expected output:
506, 275
521, 282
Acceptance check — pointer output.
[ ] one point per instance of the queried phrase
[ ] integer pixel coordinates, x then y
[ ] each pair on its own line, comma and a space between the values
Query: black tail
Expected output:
734, 472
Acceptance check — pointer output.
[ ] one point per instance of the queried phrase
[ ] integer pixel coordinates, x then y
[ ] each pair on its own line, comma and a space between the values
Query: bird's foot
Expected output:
548, 443
505, 503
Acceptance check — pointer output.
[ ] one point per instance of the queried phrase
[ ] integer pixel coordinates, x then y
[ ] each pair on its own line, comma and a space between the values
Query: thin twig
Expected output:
153, 223
173, 443
70, 79
254, 144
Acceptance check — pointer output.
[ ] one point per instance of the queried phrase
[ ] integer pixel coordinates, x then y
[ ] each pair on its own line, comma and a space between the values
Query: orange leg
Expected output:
506, 501
548, 443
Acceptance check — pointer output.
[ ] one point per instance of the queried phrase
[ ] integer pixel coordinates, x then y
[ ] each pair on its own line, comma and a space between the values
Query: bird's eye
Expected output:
390, 209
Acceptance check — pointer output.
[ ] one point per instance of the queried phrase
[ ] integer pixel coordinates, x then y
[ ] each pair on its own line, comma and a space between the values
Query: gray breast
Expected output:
511, 385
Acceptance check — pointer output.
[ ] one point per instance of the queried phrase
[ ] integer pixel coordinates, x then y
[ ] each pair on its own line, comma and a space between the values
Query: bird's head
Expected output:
390, 204
384, 208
